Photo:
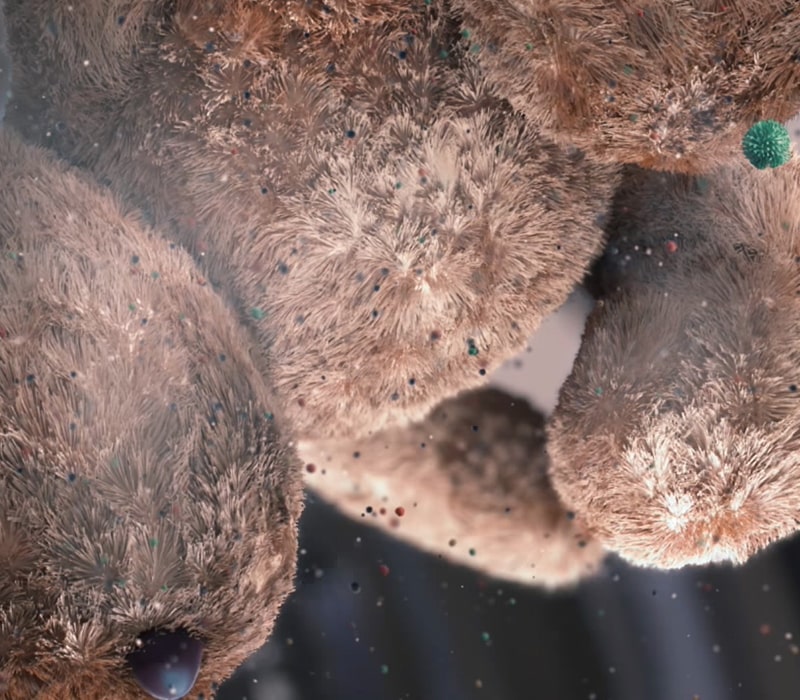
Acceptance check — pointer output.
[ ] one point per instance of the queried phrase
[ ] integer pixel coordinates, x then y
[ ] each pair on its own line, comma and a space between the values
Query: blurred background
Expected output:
374, 619
430, 631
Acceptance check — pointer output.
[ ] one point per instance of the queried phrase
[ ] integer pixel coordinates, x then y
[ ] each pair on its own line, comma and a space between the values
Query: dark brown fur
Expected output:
472, 482
142, 484
677, 435
663, 84
444, 223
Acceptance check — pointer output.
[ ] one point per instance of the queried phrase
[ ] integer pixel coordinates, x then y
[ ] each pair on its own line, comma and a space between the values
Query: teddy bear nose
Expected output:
166, 664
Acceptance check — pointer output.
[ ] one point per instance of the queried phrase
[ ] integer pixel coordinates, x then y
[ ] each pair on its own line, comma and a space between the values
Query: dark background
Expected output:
431, 631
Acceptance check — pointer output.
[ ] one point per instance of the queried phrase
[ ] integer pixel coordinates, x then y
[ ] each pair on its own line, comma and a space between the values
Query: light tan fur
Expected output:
471, 480
223, 126
375, 229
677, 436
665, 84
444, 223
142, 484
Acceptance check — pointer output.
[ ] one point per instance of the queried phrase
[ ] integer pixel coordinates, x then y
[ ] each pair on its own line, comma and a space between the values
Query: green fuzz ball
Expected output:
767, 145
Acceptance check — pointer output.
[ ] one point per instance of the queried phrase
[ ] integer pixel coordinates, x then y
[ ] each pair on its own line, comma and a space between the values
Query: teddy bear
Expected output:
694, 111
673, 438
676, 433
129, 396
356, 197
670, 86
364, 221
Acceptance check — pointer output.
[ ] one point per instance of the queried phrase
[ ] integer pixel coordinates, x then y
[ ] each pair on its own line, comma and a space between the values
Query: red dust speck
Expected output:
765, 630
399, 511
382, 511
383, 570
311, 468
671, 246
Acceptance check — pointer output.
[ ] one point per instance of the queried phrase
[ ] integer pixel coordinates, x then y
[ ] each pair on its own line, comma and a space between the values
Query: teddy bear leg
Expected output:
468, 483
675, 437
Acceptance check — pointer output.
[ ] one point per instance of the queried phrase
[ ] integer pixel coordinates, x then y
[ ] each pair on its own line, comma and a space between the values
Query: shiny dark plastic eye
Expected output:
166, 664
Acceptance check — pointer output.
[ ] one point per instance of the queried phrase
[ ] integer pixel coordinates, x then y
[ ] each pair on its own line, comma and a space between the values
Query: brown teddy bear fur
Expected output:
380, 218
146, 481
471, 485
382, 231
666, 85
676, 436
377, 219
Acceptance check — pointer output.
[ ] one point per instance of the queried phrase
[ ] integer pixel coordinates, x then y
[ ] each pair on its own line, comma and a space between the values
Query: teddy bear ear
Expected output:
664, 85
675, 438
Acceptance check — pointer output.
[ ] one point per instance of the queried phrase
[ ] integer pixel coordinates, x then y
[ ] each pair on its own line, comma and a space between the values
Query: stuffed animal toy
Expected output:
676, 435
145, 483
361, 202
374, 230
674, 438
665, 85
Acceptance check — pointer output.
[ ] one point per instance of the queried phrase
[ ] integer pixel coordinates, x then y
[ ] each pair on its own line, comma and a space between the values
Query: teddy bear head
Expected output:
148, 499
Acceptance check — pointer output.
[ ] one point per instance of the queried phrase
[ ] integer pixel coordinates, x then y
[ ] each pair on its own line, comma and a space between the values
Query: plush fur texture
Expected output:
5, 65
471, 480
374, 210
374, 230
142, 483
676, 437
376, 219
665, 84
